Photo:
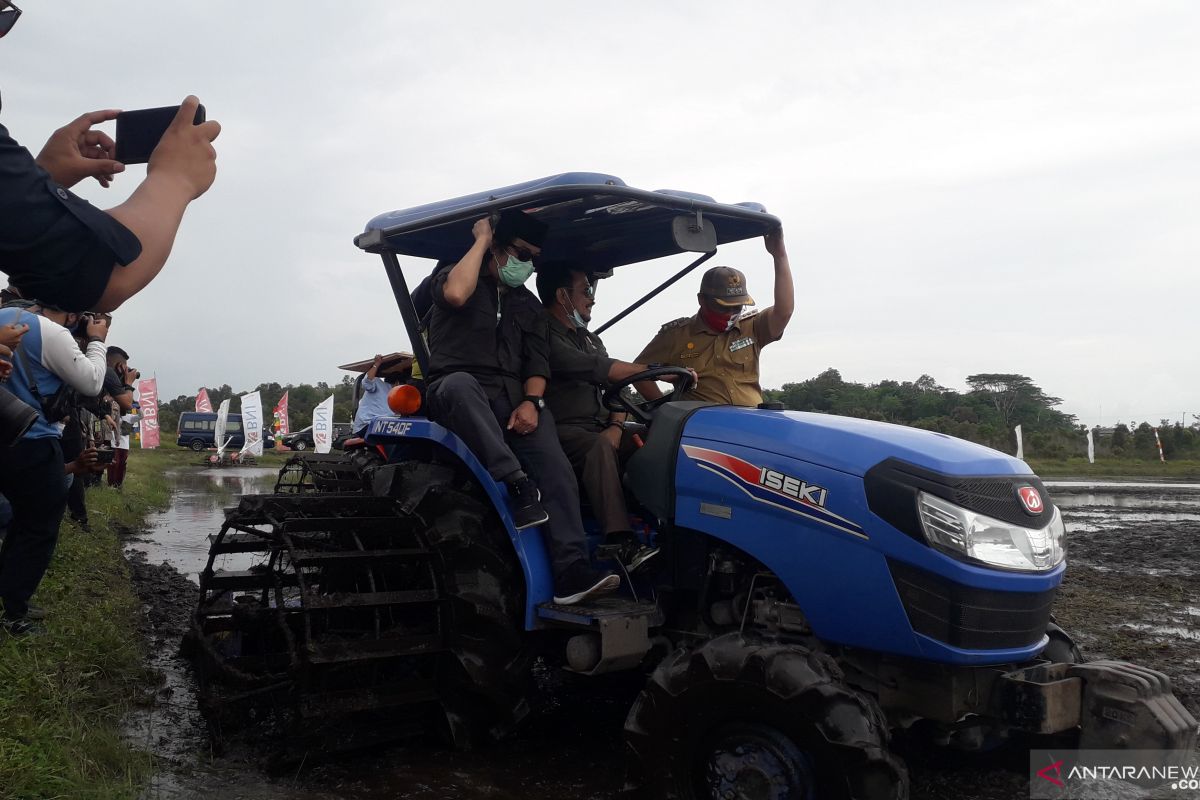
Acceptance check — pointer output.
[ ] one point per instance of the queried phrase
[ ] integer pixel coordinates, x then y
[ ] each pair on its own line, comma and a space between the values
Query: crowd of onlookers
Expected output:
69, 416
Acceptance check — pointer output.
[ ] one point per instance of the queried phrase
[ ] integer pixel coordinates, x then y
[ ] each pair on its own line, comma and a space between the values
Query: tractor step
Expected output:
590, 614
613, 633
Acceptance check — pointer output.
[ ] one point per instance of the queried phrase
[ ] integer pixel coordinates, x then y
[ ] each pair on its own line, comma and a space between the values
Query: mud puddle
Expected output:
1131, 592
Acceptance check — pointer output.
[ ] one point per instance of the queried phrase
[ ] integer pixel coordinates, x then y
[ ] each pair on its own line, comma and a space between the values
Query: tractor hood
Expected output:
847, 444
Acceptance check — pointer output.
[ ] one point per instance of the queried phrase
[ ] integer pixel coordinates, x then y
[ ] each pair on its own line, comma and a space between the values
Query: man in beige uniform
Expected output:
721, 343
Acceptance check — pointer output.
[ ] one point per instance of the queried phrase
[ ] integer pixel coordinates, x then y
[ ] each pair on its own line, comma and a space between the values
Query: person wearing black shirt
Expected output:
488, 364
61, 250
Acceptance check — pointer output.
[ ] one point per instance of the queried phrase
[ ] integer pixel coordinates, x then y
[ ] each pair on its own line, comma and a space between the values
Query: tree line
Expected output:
302, 399
987, 412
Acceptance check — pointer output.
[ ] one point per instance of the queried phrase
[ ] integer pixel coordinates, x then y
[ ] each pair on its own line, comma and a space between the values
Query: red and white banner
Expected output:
281, 416
1158, 442
202, 401
148, 405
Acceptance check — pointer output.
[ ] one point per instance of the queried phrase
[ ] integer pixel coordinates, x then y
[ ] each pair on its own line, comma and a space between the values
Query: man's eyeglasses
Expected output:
589, 290
8, 17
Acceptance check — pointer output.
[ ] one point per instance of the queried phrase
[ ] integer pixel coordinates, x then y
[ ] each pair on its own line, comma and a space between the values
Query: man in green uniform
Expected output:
595, 440
721, 343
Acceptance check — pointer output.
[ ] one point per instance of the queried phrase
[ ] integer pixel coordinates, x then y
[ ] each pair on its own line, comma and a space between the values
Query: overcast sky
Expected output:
965, 187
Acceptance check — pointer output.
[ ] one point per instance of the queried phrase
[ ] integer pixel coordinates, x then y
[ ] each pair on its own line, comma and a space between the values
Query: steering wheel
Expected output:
643, 412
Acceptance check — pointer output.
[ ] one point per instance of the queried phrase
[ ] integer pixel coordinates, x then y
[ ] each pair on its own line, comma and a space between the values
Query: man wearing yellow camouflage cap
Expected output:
721, 342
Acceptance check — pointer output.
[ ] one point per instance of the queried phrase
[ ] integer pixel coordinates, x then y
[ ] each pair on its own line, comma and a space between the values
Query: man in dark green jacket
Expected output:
596, 441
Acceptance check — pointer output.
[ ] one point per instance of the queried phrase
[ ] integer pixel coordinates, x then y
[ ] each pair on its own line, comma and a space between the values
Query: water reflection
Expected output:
179, 535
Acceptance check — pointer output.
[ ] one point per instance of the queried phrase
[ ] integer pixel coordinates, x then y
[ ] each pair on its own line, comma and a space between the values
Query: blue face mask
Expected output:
516, 272
575, 317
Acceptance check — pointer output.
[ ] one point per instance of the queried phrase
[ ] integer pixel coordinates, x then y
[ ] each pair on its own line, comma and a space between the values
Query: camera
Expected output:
16, 418
104, 455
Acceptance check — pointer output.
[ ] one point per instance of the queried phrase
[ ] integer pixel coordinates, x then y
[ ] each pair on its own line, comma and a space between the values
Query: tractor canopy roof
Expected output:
595, 221
398, 363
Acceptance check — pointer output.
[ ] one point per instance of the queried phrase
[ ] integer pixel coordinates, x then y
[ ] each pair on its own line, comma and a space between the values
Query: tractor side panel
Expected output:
811, 526
399, 435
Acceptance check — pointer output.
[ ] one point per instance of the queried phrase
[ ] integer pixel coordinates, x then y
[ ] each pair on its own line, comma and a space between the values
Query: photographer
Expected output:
119, 378
61, 249
47, 366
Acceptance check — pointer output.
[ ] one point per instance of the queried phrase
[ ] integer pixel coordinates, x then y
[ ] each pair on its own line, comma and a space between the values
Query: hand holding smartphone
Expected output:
138, 132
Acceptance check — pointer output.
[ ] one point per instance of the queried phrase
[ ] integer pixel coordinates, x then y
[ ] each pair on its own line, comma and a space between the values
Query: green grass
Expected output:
1188, 469
63, 695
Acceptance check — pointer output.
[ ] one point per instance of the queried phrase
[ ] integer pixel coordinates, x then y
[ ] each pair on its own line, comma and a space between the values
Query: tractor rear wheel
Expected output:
741, 718
365, 617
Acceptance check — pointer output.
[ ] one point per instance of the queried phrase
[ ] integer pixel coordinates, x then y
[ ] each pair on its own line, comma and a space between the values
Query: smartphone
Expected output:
104, 455
138, 132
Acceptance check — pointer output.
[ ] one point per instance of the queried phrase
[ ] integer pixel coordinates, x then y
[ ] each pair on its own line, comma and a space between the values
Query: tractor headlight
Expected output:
991, 541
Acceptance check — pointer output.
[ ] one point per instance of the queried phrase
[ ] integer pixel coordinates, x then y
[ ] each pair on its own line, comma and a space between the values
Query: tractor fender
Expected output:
410, 438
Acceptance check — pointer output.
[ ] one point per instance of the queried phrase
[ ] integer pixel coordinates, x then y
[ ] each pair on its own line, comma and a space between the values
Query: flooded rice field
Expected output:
1132, 592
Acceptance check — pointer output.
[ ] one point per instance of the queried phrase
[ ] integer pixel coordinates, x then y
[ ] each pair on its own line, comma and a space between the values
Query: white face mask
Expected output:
574, 315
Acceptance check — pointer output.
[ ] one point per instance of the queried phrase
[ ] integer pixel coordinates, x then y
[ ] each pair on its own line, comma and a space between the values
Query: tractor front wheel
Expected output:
747, 719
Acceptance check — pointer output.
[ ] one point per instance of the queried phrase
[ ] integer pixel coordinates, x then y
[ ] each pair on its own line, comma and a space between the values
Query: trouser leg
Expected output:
597, 465
544, 460
72, 446
32, 478
116, 470
76, 500
458, 402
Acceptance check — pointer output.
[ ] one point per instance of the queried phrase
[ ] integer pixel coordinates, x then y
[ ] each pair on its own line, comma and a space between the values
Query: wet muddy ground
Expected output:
1132, 592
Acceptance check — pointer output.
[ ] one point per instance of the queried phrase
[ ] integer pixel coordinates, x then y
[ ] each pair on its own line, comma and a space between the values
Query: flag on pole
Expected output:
1158, 442
252, 424
219, 433
202, 402
1091, 448
323, 426
281, 416
1020, 444
148, 404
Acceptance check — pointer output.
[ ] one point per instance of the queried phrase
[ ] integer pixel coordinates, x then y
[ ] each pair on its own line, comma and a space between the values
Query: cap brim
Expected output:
733, 302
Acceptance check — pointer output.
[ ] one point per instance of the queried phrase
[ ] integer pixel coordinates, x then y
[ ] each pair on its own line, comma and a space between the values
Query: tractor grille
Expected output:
970, 618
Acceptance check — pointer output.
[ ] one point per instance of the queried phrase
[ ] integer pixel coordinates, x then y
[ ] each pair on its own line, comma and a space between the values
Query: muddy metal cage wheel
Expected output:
331, 472
738, 717
365, 617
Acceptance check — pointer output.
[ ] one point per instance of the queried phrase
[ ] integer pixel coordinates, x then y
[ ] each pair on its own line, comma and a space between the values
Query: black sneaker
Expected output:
527, 508
581, 581
21, 626
34, 612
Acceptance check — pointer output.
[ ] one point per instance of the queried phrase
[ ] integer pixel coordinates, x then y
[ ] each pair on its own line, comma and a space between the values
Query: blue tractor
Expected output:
823, 583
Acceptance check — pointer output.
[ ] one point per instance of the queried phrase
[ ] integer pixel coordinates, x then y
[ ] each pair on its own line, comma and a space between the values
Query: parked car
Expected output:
303, 439
197, 430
